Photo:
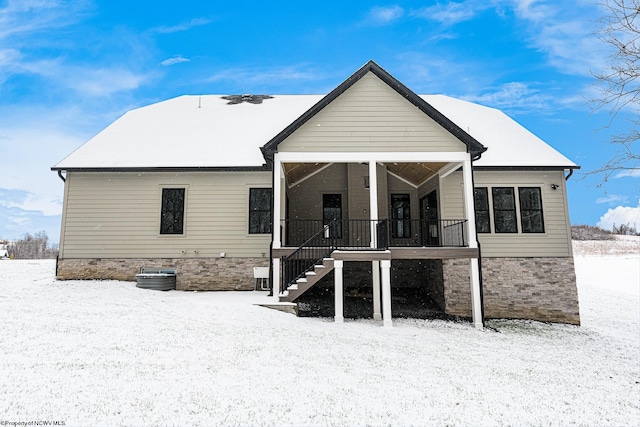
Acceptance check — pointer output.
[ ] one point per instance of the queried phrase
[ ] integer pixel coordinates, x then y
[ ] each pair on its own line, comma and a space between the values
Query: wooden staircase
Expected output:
310, 278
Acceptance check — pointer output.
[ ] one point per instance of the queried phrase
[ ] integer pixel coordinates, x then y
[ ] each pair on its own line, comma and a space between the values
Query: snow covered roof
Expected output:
190, 131
508, 143
204, 131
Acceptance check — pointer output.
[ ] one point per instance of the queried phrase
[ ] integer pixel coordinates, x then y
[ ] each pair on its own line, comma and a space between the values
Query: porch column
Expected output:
339, 291
278, 195
474, 273
386, 292
373, 202
375, 270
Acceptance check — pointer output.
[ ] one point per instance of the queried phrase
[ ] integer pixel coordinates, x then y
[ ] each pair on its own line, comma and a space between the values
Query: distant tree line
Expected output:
592, 232
36, 246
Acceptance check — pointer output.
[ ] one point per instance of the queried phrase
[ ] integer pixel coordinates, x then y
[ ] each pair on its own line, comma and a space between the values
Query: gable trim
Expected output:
473, 146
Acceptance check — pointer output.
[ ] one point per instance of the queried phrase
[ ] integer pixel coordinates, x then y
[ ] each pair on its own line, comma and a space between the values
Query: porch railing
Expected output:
326, 237
428, 233
308, 254
356, 234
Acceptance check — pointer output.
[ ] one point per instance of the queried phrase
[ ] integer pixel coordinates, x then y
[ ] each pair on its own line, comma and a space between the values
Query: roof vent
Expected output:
251, 99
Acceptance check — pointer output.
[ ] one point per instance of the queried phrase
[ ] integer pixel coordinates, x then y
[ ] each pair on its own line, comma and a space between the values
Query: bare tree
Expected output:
619, 81
35, 246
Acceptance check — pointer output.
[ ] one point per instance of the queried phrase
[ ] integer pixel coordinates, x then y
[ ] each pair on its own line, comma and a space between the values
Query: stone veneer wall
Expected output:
193, 274
525, 288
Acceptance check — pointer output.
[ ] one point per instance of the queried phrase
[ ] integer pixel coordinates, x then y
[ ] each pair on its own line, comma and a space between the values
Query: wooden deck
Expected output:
392, 253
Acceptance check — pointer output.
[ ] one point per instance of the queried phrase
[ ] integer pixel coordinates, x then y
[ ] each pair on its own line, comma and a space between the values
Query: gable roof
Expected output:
199, 132
473, 146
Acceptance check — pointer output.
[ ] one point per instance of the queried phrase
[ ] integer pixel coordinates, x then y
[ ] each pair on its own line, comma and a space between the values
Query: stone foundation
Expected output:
522, 288
193, 274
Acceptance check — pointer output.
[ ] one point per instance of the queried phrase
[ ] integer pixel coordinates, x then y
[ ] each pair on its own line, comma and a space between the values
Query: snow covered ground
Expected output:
108, 353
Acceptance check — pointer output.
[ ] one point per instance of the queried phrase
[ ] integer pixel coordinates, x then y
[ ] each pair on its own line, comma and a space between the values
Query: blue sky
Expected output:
70, 68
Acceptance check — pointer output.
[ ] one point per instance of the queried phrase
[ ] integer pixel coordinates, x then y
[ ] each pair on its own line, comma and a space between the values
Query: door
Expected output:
429, 224
332, 211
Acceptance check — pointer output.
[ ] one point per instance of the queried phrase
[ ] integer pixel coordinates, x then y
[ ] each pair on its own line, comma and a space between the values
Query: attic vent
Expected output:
251, 99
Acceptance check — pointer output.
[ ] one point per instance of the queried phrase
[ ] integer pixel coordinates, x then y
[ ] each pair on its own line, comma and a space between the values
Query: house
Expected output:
370, 183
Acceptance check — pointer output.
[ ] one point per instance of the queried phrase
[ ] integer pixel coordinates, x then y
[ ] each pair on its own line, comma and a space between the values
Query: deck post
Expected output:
474, 273
386, 292
339, 291
375, 271
275, 286
373, 202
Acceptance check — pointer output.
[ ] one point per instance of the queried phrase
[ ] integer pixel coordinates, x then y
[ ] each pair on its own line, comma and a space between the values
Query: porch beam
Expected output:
337, 157
449, 169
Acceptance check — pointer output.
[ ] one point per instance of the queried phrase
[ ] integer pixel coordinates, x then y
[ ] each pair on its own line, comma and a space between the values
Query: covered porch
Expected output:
336, 208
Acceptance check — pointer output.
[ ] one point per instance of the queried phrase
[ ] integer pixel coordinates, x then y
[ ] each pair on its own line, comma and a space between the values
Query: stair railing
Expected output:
308, 254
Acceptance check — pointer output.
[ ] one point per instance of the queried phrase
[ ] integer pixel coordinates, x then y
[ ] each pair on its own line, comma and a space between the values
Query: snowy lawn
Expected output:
108, 353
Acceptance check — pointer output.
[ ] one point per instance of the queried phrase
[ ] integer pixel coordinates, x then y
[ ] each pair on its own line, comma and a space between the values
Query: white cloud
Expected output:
621, 215
20, 17
252, 77
383, 15
513, 96
185, 26
631, 173
32, 202
449, 13
174, 60
99, 82
612, 199
564, 32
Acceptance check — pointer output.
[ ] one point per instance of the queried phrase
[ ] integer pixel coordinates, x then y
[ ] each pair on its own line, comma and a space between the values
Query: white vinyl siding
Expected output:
556, 239
371, 116
117, 215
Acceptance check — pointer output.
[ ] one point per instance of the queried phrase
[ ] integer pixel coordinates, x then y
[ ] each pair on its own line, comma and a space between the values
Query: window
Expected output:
531, 218
483, 223
400, 216
504, 210
331, 211
259, 210
172, 213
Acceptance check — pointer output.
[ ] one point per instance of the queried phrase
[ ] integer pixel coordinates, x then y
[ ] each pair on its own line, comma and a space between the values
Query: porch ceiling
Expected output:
298, 172
415, 173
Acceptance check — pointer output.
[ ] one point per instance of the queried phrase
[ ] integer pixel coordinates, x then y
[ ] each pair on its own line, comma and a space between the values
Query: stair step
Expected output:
301, 280
311, 273
292, 287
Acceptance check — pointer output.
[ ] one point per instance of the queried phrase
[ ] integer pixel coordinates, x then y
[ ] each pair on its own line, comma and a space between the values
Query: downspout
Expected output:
566, 178
60, 175
477, 157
